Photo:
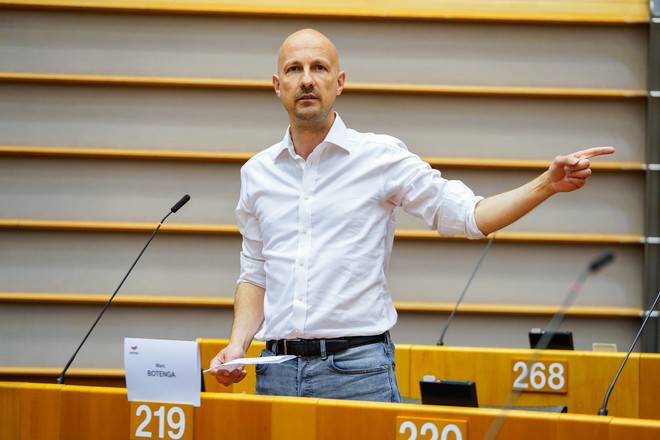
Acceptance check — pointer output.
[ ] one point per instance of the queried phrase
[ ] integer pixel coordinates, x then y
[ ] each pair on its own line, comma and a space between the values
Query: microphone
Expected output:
178, 205
441, 341
175, 208
599, 262
603, 409
595, 265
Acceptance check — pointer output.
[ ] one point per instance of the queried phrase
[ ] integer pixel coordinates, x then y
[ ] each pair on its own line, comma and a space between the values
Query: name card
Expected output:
542, 376
163, 371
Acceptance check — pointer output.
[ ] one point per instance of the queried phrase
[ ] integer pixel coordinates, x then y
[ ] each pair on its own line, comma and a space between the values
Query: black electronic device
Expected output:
449, 393
559, 339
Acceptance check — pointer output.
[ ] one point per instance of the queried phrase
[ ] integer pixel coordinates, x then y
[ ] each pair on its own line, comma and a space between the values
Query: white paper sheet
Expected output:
237, 363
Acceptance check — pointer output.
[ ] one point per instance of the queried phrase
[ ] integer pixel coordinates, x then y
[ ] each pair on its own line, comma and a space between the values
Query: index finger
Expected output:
596, 151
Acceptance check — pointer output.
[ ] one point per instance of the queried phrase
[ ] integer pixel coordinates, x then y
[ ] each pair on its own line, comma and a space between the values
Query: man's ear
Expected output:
340, 82
276, 84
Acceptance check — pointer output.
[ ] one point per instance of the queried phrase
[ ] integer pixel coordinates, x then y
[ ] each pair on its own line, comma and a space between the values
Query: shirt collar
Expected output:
338, 135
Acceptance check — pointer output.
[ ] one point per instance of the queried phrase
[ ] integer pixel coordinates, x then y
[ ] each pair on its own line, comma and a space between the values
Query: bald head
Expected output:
308, 79
308, 40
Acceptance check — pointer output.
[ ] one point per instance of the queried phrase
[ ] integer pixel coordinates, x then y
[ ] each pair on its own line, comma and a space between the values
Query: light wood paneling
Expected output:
594, 11
94, 412
71, 188
241, 158
207, 265
589, 375
235, 416
649, 379
413, 52
374, 88
215, 120
103, 377
403, 234
401, 306
29, 411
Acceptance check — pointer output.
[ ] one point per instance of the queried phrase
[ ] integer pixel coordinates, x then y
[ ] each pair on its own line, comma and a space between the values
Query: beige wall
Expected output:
248, 121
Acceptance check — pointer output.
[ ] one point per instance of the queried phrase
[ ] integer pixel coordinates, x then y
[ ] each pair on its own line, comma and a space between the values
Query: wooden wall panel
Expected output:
433, 53
225, 120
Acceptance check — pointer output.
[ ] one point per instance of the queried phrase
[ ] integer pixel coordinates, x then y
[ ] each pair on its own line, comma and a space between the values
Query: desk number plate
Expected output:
542, 376
417, 428
167, 421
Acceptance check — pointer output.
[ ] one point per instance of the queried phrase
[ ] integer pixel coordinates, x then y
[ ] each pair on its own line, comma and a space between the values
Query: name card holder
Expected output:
163, 385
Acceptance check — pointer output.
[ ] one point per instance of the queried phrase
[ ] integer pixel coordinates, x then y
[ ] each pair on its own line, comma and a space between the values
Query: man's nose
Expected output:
307, 79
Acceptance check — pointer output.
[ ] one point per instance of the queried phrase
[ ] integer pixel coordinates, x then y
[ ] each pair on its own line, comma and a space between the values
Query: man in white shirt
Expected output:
316, 215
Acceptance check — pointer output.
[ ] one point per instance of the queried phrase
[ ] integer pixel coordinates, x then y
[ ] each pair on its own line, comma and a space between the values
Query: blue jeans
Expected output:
358, 373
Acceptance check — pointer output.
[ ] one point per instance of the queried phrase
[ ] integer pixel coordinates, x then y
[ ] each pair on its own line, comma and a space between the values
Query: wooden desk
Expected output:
53, 412
588, 376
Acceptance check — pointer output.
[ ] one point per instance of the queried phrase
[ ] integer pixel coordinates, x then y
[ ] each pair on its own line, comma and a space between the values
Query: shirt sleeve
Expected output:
252, 260
445, 205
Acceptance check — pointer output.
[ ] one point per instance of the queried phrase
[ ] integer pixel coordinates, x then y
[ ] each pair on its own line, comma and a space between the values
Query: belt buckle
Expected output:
284, 341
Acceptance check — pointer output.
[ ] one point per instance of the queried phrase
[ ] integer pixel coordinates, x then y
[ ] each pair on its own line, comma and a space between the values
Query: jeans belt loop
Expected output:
324, 355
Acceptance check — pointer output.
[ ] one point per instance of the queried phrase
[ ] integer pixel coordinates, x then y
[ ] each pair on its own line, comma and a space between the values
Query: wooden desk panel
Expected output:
649, 386
589, 375
94, 413
102, 413
633, 429
233, 416
346, 420
29, 411
581, 427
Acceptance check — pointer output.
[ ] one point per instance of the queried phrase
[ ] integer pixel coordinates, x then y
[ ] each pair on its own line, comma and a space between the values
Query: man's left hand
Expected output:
570, 172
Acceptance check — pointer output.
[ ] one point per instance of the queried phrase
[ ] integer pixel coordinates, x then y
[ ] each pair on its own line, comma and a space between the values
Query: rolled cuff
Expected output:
252, 271
472, 231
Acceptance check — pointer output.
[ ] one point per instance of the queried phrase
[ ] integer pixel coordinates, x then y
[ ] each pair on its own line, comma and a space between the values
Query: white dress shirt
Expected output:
318, 234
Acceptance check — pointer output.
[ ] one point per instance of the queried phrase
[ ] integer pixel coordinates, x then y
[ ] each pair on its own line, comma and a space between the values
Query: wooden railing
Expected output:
351, 87
232, 230
544, 11
514, 310
239, 158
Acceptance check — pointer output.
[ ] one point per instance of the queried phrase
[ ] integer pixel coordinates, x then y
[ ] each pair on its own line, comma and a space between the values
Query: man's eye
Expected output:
293, 69
320, 67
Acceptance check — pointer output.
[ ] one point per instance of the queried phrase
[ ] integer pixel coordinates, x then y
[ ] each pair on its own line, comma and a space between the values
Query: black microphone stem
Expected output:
441, 341
60, 379
595, 265
603, 409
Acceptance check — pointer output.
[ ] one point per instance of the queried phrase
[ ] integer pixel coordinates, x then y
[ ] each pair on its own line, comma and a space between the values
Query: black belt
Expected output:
312, 347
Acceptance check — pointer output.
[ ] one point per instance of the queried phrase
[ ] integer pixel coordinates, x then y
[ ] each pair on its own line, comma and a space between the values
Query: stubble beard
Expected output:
310, 117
